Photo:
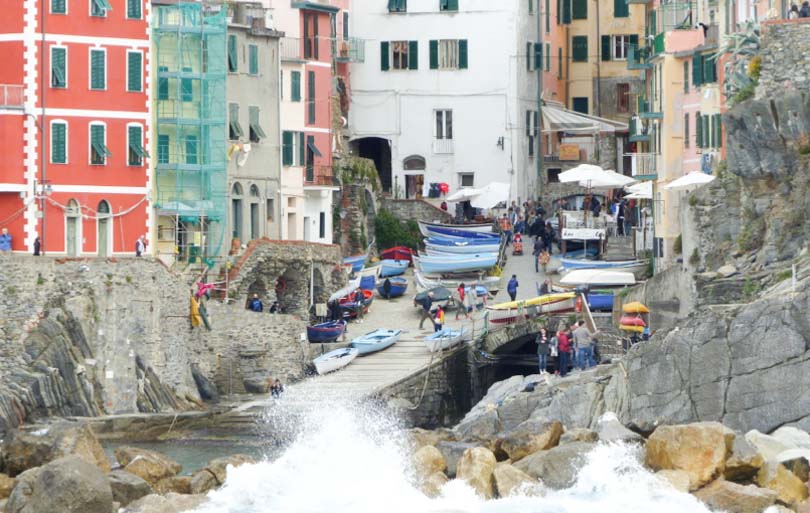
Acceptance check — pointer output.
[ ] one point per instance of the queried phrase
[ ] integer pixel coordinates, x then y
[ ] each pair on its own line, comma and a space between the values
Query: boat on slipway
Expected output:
326, 331
637, 267
445, 339
376, 340
506, 313
429, 229
452, 264
398, 286
357, 262
393, 267
335, 360
428, 281
598, 278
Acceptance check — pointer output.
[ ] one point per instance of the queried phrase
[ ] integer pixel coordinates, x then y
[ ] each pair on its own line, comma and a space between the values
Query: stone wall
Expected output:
670, 295
417, 209
784, 50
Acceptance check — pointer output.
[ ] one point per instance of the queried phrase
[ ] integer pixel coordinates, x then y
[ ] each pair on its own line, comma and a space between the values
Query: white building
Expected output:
443, 94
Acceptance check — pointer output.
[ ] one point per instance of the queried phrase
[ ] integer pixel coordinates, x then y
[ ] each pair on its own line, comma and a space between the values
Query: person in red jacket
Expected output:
563, 351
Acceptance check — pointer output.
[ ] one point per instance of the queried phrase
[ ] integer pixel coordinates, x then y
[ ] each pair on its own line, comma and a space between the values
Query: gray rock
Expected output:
170, 503
256, 386
66, 485
727, 270
797, 461
726, 496
578, 435
610, 430
557, 468
214, 474
452, 452
127, 487
208, 390
744, 461
792, 437
35, 446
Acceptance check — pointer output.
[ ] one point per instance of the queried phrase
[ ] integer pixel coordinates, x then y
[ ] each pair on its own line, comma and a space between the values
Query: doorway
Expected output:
72, 228
307, 229
236, 211
378, 150
104, 225
255, 229
413, 186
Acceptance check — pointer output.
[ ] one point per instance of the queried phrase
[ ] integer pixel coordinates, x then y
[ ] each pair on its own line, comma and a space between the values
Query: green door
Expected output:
103, 228
72, 232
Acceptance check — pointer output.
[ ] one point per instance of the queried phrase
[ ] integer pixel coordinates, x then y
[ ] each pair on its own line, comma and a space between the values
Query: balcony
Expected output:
643, 165
637, 57
638, 130
351, 50
712, 35
443, 146
645, 110
319, 176
290, 49
11, 96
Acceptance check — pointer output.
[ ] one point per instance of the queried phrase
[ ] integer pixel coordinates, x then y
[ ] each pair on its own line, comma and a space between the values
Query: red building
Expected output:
83, 89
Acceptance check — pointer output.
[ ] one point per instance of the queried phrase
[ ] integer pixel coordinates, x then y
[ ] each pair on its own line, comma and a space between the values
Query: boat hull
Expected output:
393, 267
445, 339
398, 288
376, 341
357, 262
432, 249
455, 265
507, 316
398, 253
598, 278
326, 331
426, 228
335, 360
637, 267
491, 283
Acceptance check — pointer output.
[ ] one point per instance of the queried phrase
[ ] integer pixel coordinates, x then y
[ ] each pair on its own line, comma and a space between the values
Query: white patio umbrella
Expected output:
491, 195
585, 172
611, 180
640, 190
691, 180
465, 194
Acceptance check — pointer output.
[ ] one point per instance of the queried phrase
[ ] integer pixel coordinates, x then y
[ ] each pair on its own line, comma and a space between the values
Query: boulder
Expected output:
727, 270
171, 503
66, 485
483, 425
127, 487
724, 495
578, 435
557, 468
150, 466
792, 437
797, 461
452, 452
610, 430
475, 467
530, 436
766, 445
508, 480
789, 488
174, 484
418, 437
206, 388
744, 461
6, 485
214, 474
433, 484
34, 447
256, 386
699, 449
678, 479
802, 507
427, 461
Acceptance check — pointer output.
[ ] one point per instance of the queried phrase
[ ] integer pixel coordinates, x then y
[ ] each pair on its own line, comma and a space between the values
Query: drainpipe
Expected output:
43, 155
540, 16
598, 102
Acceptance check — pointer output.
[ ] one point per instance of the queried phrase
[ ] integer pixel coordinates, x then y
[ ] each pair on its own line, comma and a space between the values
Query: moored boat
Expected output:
445, 339
452, 264
335, 360
397, 253
326, 331
460, 249
376, 340
397, 288
441, 296
393, 267
427, 281
426, 227
349, 306
367, 282
598, 278
637, 267
356, 261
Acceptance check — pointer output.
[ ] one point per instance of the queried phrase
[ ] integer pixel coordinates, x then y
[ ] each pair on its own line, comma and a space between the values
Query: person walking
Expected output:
583, 338
539, 247
5, 242
548, 238
543, 259
438, 319
543, 349
512, 287
256, 304
620, 219
506, 228
564, 351
462, 303
140, 246
426, 303
37, 246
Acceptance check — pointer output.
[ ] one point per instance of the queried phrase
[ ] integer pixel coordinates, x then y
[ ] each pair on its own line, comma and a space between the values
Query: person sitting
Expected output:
256, 304
276, 389
274, 307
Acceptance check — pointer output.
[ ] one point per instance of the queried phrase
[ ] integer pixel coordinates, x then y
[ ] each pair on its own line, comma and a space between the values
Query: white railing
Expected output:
11, 96
290, 49
443, 146
643, 164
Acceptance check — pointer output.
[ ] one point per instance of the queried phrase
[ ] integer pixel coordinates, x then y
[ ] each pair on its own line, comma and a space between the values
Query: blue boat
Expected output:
442, 245
445, 339
367, 282
398, 287
461, 263
393, 267
376, 340
326, 331
460, 241
441, 232
357, 262
601, 302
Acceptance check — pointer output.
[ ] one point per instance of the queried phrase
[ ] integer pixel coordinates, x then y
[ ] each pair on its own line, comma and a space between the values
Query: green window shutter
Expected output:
434, 54
463, 57
233, 64
99, 7
634, 40
310, 159
59, 143
187, 87
99, 149
97, 71
384, 55
256, 131
301, 149
134, 9
706, 131
233, 122
697, 70
620, 9
652, 25
719, 127
58, 70
295, 86
579, 48
686, 76
163, 84
58, 7
311, 97
548, 16
529, 47
709, 70
413, 54
698, 131
136, 152
287, 148
566, 11
531, 6
191, 149
528, 122
579, 9
606, 48
548, 56
253, 51
538, 56
134, 70
559, 63
163, 149
448, 5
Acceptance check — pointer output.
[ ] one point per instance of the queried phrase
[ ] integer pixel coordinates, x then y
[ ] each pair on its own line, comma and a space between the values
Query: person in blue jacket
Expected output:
512, 287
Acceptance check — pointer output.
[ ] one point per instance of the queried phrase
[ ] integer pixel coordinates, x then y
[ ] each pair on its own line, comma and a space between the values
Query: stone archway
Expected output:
292, 291
257, 287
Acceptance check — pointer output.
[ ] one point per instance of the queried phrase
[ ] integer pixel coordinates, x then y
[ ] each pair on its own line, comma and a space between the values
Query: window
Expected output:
58, 6
448, 54
686, 130
579, 9
310, 97
709, 69
621, 9
718, 130
397, 5
401, 54
233, 63
99, 7
531, 130
621, 44
466, 179
234, 128
253, 59
98, 69
163, 149
580, 104
292, 148
548, 56
345, 25
530, 56
566, 11
554, 175
256, 132
697, 70
186, 87
191, 149
270, 209
163, 83
58, 67
448, 5
134, 9
579, 48
295, 86
310, 36
98, 144
58, 142
444, 124
134, 72
622, 97
322, 225
698, 131
136, 152
685, 76
548, 15
559, 63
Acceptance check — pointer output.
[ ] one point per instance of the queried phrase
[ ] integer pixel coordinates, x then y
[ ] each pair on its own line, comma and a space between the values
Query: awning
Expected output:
464, 194
491, 195
691, 180
313, 148
557, 118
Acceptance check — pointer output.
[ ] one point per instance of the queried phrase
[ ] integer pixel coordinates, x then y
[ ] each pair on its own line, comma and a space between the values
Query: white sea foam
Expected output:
346, 459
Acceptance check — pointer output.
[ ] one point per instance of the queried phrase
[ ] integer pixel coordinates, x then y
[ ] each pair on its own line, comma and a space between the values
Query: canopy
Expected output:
584, 172
557, 118
613, 180
635, 307
690, 181
491, 195
641, 190
465, 194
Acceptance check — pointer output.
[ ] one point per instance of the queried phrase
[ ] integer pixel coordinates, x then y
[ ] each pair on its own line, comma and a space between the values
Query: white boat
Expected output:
425, 227
454, 264
598, 278
376, 340
441, 252
334, 360
461, 249
637, 267
353, 285
445, 339
428, 281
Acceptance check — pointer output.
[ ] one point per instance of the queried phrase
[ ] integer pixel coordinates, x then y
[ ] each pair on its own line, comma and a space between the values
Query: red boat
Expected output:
397, 253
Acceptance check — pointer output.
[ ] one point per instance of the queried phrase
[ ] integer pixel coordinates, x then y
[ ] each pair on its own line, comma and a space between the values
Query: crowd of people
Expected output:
571, 346
795, 12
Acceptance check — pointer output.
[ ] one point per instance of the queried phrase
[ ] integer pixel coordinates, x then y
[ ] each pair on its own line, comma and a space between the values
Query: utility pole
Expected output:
43, 131
539, 50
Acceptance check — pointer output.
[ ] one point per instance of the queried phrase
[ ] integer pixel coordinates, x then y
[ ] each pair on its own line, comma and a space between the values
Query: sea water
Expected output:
353, 459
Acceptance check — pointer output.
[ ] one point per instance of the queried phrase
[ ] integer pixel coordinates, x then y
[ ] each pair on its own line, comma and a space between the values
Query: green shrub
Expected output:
695, 258
677, 246
692, 200
390, 231
751, 288
743, 94
783, 275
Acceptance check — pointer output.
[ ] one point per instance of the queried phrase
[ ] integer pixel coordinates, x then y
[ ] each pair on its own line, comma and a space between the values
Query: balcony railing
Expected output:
309, 3
637, 57
443, 146
351, 50
290, 49
11, 96
319, 175
712, 35
673, 16
643, 165
647, 111
638, 130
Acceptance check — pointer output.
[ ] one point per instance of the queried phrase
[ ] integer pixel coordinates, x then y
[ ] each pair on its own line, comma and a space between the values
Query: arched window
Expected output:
414, 163
237, 189
103, 207
254, 191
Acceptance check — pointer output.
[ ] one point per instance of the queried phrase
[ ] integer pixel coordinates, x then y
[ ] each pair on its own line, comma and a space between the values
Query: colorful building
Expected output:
76, 127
